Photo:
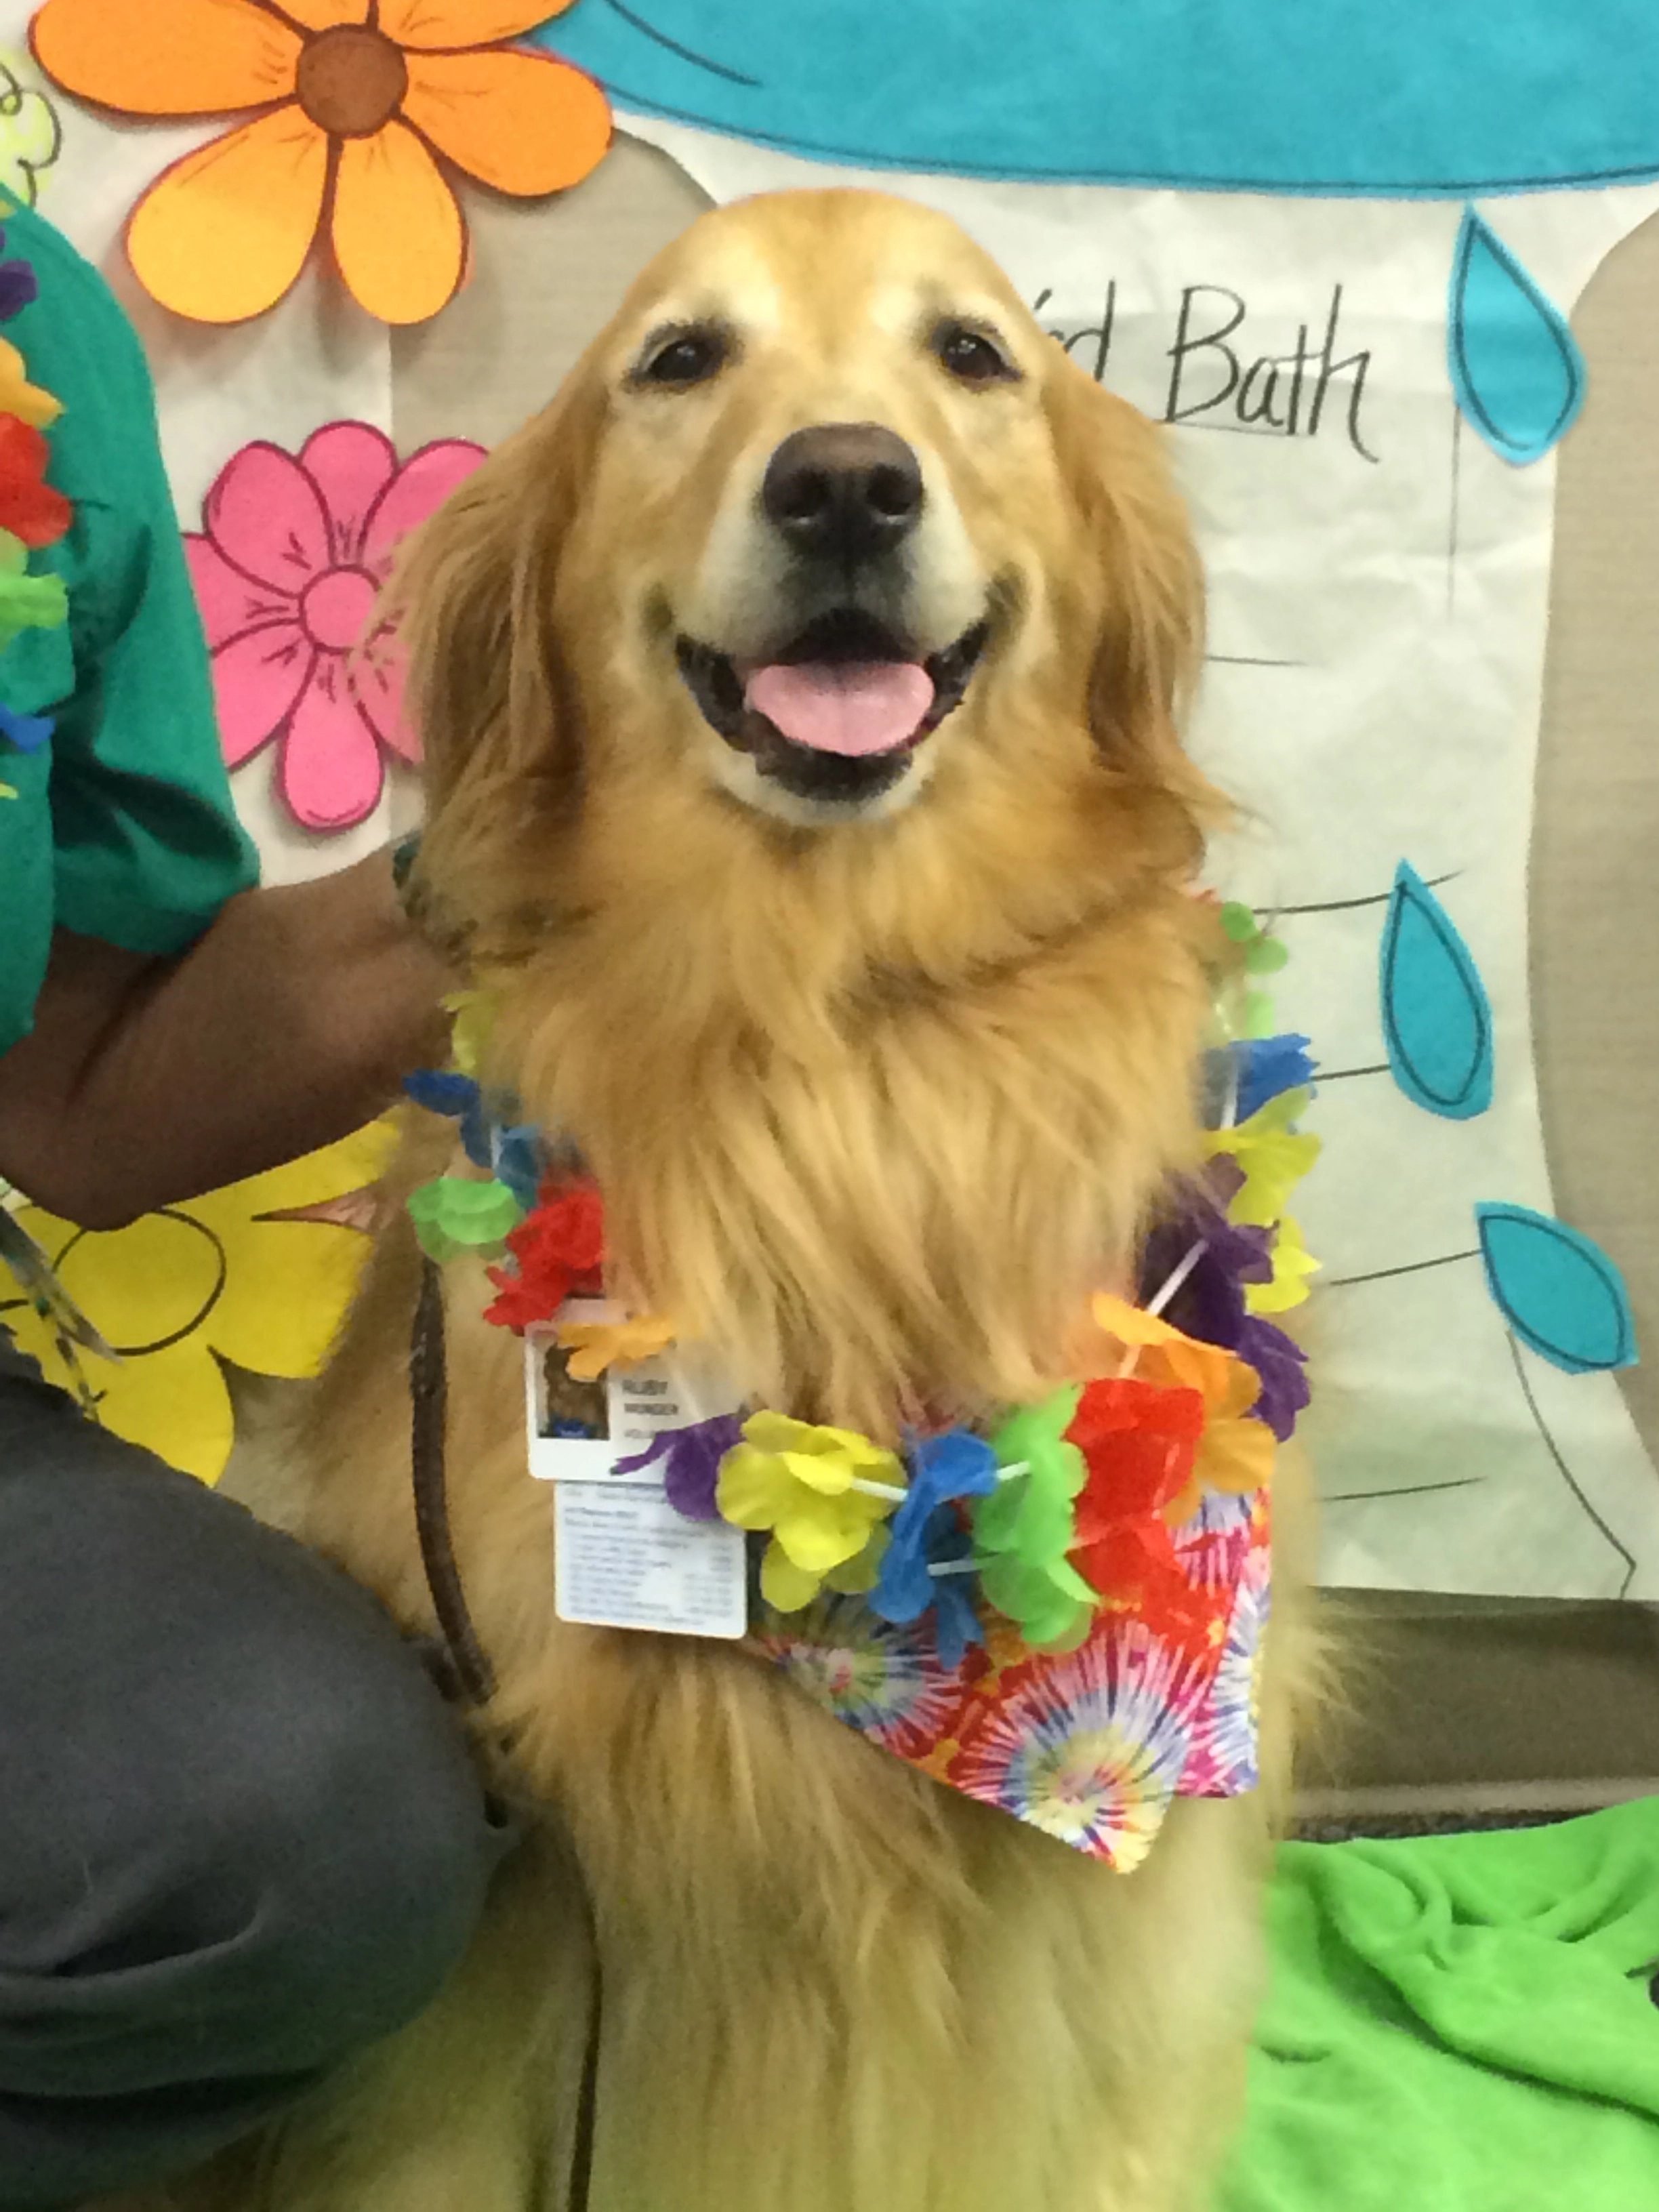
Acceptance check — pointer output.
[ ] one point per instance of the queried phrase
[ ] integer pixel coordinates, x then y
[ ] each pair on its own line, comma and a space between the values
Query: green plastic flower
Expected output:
1052, 1603
457, 1213
27, 602
798, 1479
1024, 1530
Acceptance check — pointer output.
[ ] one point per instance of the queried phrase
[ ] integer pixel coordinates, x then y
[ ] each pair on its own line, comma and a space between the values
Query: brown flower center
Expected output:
352, 80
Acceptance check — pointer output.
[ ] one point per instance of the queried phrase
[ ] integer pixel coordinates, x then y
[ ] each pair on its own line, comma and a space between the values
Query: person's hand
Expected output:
291, 1021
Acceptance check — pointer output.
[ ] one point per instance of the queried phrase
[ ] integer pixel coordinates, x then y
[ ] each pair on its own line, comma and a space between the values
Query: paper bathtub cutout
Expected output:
287, 569
1515, 363
178, 1290
1424, 98
1437, 1020
351, 103
1558, 1291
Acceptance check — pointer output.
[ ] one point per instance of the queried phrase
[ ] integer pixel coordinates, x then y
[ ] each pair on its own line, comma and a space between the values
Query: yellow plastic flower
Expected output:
1235, 1451
593, 1346
1273, 1155
472, 1020
19, 396
217, 1278
1292, 1264
797, 1480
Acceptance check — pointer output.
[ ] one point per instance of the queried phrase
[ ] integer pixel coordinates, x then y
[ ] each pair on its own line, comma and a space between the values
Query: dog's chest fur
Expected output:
876, 1191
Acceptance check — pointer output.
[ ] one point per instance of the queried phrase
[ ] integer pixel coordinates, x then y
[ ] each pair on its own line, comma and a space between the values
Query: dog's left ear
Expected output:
1141, 594
473, 598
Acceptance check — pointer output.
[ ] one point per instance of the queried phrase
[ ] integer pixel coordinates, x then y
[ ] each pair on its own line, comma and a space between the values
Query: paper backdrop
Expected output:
1379, 562
1364, 395
314, 358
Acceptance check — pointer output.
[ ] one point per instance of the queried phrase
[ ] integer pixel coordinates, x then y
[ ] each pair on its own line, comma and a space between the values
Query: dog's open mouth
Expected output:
837, 713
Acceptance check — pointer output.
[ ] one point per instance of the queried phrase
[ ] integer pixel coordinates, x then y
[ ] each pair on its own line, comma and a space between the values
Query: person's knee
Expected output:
368, 1845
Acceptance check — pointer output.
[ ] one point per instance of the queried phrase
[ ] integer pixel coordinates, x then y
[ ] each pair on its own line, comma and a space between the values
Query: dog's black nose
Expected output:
844, 491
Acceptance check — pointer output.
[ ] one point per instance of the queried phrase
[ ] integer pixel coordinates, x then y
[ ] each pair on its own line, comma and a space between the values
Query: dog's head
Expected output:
823, 532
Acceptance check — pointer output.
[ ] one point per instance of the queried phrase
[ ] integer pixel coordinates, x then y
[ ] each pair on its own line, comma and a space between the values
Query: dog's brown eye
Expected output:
970, 356
687, 357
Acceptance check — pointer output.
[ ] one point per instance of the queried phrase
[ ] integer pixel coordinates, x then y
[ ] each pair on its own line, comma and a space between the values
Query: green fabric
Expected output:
122, 827
1461, 2024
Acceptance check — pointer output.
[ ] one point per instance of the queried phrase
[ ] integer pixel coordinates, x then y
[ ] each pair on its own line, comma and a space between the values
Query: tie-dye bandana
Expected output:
1063, 1618
1089, 1746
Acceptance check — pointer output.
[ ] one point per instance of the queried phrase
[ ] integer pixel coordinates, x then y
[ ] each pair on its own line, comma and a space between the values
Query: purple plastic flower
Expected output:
19, 287
1210, 1305
1281, 1363
692, 1455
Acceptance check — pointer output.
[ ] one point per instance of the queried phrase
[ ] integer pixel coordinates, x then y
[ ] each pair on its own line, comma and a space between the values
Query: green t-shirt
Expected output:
122, 827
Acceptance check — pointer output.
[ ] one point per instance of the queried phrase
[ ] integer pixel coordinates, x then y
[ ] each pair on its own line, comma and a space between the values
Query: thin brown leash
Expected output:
469, 1670
468, 1674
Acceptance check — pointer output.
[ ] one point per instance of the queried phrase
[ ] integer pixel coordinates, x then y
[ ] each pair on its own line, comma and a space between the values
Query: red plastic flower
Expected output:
29, 507
559, 1248
1139, 1440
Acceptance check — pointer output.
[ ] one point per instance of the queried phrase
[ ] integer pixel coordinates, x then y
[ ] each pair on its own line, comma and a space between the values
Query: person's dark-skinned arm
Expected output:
290, 1022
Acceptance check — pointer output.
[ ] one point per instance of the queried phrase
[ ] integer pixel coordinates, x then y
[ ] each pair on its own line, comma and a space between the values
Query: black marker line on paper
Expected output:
1563, 1469
1410, 1267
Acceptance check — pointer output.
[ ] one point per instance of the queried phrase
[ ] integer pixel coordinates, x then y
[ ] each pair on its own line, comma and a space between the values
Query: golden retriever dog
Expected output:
800, 696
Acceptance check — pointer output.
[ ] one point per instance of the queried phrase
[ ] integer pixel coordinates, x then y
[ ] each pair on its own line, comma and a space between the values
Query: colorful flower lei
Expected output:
33, 515
1064, 1618
1069, 1508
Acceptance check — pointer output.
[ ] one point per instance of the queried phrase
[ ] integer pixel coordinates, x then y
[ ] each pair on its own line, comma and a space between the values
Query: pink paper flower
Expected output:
293, 552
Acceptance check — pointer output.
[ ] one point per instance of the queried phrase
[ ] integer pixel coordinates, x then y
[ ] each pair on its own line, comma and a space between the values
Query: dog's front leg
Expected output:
832, 1985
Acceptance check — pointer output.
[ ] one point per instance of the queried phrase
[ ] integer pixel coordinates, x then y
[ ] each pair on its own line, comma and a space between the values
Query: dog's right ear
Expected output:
487, 692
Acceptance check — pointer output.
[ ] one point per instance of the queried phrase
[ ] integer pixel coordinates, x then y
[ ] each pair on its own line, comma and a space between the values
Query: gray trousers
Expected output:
240, 1836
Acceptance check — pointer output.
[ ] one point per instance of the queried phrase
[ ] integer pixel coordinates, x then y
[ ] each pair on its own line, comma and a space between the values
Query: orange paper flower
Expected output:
355, 97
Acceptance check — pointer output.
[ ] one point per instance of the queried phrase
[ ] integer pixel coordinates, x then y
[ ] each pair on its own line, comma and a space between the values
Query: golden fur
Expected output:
874, 1101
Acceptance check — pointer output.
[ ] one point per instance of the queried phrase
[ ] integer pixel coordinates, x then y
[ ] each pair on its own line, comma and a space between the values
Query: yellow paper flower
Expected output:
1235, 1451
797, 1480
1273, 1155
1292, 1264
19, 396
31, 136
593, 1346
216, 1278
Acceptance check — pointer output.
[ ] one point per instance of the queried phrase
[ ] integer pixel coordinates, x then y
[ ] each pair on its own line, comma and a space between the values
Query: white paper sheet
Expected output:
1379, 583
314, 358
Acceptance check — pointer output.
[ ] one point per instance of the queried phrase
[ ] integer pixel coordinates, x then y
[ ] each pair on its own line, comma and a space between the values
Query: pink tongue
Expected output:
850, 707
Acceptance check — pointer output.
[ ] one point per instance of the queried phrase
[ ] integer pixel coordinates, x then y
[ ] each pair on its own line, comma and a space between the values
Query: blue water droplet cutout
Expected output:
1437, 1019
1515, 367
1558, 1291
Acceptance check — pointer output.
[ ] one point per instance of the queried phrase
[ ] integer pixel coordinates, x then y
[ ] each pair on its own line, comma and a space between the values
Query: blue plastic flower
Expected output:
512, 1152
29, 732
442, 1090
1265, 1067
925, 1534
519, 1161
